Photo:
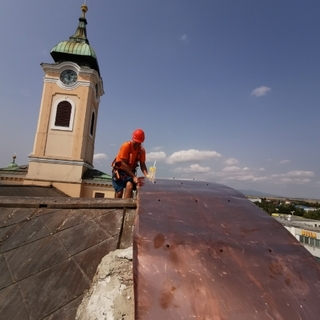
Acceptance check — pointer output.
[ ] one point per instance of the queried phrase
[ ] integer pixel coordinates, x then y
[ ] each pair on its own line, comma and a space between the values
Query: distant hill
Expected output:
264, 194
258, 193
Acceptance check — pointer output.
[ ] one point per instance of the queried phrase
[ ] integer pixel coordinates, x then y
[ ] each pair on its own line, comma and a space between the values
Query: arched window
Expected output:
92, 123
63, 114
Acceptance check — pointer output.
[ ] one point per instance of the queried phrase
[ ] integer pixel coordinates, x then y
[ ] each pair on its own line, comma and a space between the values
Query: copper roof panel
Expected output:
203, 251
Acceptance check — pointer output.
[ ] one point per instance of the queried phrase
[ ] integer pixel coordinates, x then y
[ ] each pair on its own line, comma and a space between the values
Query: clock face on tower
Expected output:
68, 77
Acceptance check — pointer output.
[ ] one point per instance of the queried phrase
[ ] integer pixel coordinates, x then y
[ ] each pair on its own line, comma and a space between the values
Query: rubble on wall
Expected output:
111, 295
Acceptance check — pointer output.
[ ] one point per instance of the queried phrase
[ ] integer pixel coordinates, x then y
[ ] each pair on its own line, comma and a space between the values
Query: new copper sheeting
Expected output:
203, 251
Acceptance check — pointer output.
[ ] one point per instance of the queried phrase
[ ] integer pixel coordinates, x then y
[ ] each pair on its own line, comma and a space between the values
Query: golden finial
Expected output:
84, 9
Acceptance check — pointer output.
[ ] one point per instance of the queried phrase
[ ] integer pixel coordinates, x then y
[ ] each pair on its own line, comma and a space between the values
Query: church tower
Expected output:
65, 137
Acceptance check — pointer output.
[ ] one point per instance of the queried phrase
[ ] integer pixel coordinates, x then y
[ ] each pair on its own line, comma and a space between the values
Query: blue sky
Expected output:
226, 90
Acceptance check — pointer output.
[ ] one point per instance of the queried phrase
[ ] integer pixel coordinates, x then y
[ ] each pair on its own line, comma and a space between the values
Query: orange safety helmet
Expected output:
138, 135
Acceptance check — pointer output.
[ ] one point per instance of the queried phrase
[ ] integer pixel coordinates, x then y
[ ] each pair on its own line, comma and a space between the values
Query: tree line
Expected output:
292, 208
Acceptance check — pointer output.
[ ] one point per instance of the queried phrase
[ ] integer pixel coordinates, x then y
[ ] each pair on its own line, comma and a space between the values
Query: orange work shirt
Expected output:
132, 156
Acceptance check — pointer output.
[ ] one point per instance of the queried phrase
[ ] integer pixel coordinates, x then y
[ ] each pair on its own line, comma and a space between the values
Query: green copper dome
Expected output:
12, 165
77, 49
73, 47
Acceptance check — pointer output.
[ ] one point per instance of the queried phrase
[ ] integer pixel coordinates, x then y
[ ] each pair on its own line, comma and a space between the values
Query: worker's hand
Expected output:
135, 179
150, 177
140, 181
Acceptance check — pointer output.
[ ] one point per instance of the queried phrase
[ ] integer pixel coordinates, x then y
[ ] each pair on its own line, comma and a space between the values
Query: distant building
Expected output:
307, 231
254, 199
305, 208
62, 155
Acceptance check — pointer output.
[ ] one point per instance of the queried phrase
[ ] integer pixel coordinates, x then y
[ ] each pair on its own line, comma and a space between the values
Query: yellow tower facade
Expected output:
65, 137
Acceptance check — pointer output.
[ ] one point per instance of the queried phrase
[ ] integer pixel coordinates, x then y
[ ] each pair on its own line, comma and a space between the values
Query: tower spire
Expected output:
77, 48
84, 9
81, 33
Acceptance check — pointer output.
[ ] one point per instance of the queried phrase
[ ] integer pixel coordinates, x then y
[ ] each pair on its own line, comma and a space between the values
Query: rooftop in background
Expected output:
15, 172
298, 222
29, 191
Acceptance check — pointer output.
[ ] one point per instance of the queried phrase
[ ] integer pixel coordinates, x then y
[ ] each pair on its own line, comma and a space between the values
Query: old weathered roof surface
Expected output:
29, 191
203, 251
50, 249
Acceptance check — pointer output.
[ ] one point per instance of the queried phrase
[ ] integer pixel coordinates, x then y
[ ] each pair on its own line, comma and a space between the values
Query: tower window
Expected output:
92, 123
63, 114
97, 92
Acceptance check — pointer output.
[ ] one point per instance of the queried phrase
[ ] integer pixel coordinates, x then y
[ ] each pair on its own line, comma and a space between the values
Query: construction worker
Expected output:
130, 155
